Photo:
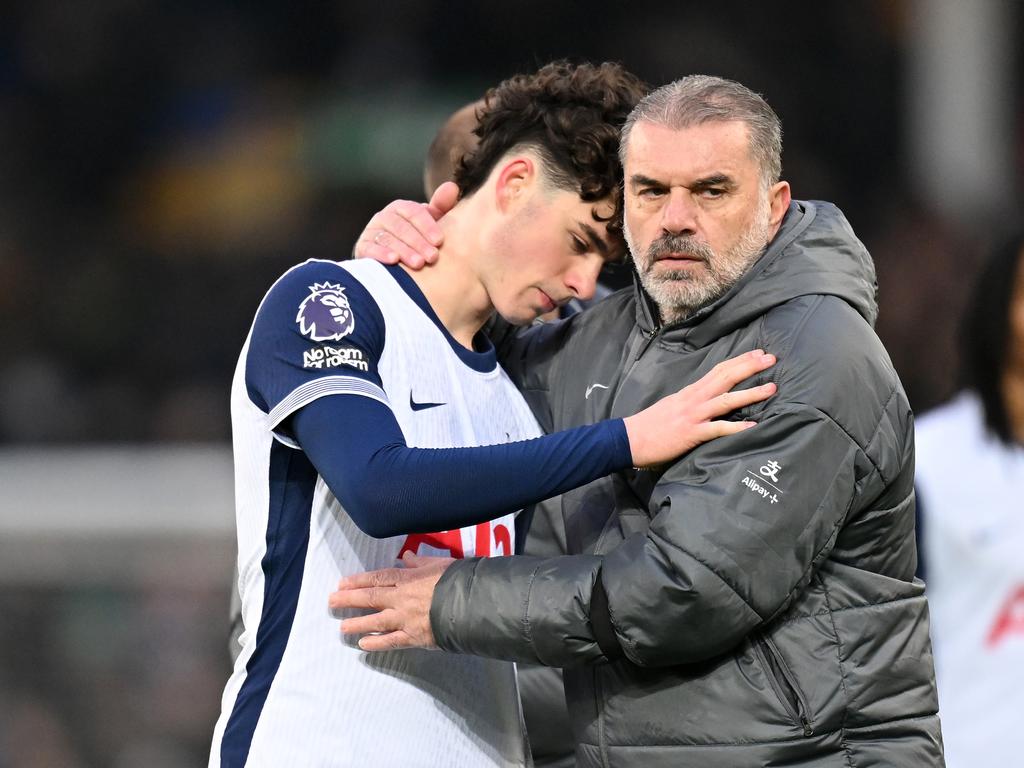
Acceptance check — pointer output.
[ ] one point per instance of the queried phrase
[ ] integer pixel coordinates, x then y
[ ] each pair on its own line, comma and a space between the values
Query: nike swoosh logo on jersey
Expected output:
591, 388
422, 406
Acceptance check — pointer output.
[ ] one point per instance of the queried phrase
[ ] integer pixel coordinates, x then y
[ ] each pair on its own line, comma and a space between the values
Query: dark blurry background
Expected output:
161, 163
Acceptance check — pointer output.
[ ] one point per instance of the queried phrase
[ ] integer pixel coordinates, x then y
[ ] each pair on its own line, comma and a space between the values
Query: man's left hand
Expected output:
401, 597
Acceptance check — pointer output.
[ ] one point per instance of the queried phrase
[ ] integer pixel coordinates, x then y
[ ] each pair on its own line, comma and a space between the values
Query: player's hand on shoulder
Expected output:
683, 420
407, 231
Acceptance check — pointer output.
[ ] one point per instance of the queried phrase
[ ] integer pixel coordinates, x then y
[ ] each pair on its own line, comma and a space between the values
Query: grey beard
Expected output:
679, 294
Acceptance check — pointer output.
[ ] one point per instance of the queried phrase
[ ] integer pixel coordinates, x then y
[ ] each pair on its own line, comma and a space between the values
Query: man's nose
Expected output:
678, 217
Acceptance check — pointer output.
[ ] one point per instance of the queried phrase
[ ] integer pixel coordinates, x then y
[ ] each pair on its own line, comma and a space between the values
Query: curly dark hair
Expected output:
570, 114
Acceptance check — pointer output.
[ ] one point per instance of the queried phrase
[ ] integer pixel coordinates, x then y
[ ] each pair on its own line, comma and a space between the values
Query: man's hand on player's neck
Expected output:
406, 231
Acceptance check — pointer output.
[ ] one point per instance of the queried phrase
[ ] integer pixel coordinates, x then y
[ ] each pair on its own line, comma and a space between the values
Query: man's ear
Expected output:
513, 179
779, 197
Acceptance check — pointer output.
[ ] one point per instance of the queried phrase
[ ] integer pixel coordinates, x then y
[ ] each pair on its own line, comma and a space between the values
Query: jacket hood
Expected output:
814, 252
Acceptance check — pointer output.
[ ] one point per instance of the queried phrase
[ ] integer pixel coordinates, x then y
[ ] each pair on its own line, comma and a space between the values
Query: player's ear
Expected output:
513, 178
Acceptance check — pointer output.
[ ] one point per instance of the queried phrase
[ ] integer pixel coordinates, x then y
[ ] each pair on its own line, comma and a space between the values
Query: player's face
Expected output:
549, 251
696, 214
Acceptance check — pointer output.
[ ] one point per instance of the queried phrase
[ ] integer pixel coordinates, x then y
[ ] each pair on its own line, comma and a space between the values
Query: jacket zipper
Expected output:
649, 337
785, 685
646, 338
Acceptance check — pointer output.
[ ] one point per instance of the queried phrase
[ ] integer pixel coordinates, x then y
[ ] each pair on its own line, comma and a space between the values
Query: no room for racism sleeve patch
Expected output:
318, 332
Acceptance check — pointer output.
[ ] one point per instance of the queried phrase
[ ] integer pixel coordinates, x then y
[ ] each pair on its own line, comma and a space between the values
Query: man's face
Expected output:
548, 251
696, 214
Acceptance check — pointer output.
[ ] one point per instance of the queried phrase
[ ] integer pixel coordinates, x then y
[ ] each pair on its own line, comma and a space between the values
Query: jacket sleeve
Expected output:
738, 528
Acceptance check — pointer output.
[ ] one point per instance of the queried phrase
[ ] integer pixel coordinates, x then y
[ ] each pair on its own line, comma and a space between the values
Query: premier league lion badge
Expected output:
325, 315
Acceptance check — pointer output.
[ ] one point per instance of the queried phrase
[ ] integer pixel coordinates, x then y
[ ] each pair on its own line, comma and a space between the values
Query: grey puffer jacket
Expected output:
754, 603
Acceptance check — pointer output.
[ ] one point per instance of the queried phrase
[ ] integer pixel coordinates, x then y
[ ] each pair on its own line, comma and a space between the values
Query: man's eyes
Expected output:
651, 192
579, 245
708, 193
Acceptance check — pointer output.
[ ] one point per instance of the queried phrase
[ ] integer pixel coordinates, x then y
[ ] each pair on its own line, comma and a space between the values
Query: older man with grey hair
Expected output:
753, 603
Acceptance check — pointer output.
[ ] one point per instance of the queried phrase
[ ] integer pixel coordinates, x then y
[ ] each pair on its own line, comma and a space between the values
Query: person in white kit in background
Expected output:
329, 484
970, 476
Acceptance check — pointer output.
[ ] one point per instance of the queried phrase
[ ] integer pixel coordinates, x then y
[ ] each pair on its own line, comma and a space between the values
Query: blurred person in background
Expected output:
455, 139
753, 603
970, 476
355, 395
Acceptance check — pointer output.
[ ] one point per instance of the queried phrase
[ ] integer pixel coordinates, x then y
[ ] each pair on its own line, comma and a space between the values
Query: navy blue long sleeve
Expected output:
389, 488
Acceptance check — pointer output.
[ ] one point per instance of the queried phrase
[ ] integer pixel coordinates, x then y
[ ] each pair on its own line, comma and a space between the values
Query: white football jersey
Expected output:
301, 693
970, 486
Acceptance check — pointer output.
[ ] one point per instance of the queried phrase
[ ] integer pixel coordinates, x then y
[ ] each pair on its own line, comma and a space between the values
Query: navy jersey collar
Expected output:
482, 359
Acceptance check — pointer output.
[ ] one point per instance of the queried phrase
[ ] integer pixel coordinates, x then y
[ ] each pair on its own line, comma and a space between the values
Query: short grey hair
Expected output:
700, 99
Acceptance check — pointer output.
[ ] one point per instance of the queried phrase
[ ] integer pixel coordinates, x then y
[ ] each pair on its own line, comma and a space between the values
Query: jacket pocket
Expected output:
782, 681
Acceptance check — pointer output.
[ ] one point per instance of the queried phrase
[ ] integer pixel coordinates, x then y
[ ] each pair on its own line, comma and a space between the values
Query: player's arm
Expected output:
388, 488
311, 368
